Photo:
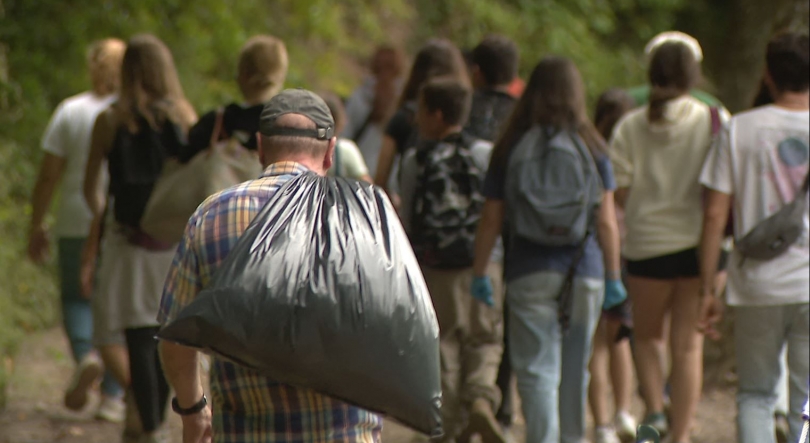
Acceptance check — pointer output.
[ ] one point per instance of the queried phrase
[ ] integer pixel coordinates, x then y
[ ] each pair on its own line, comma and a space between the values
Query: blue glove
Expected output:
615, 294
482, 290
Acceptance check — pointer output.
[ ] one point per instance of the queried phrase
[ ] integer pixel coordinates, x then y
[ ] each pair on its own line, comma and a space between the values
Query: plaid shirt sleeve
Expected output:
183, 282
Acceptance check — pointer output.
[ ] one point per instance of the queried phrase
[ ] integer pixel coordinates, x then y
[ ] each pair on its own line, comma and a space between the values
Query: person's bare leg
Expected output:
621, 368
687, 358
116, 360
651, 300
598, 389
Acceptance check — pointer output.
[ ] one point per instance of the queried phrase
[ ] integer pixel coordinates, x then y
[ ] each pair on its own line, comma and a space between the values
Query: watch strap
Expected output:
197, 407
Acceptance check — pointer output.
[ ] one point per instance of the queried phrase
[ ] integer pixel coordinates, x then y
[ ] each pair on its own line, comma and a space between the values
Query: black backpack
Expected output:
135, 163
447, 203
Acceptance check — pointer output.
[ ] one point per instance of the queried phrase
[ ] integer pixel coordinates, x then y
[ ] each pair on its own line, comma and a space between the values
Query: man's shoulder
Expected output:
261, 190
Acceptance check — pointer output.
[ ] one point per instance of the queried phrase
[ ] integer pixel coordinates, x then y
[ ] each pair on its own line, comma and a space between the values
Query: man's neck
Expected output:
310, 163
794, 101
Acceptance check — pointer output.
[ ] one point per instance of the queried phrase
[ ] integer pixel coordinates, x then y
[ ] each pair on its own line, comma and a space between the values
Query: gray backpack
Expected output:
553, 188
773, 236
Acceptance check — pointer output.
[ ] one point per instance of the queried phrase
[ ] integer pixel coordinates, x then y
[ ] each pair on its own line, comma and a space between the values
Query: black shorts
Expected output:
683, 264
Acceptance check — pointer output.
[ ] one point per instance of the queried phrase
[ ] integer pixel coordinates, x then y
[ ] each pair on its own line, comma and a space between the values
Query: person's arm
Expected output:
607, 229
385, 161
50, 174
718, 182
181, 365
715, 217
101, 143
489, 229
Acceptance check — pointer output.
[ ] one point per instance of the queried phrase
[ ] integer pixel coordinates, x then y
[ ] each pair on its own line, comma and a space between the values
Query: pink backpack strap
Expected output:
716, 123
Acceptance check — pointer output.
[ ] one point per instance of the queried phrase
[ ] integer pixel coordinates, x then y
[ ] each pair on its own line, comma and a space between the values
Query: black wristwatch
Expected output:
199, 406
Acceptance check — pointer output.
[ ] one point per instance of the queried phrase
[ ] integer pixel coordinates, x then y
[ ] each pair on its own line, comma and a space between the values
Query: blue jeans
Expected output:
552, 368
760, 334
77, 314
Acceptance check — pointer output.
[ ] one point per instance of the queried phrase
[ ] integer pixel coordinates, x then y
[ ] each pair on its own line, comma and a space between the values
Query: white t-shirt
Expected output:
348, 162
762, 161
68, 136
660, 164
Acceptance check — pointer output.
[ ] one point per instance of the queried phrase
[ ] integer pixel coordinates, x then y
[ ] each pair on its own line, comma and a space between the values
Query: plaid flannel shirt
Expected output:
249, 407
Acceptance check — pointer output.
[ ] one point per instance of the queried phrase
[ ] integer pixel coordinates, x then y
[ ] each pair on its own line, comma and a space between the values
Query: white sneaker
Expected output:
605, 434
111, 409
86, 375
625, 426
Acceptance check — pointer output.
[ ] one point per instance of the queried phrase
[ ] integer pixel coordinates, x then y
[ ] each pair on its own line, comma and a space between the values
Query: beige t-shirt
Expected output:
660, 163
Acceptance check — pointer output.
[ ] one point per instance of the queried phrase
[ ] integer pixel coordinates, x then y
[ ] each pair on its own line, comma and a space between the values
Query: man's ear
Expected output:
330, 152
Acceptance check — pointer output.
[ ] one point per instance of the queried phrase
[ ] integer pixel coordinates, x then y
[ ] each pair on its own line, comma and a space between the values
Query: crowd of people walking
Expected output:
528, 218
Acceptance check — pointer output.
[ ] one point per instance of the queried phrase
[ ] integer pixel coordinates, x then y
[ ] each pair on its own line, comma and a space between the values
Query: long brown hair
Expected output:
150, 86
555, 97
610, 107
673, 72
438, 58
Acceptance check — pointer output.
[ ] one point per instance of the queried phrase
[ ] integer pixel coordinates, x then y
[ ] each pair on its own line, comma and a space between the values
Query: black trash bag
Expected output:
323, 291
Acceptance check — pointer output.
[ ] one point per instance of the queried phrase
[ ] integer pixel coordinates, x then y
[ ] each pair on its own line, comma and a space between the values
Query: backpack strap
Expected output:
216, 134
717, 124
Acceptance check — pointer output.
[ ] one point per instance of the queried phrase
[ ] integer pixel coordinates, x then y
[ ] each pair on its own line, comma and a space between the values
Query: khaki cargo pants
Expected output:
471, 342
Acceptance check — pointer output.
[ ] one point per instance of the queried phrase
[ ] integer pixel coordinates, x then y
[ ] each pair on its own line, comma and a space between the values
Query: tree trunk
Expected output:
736, 54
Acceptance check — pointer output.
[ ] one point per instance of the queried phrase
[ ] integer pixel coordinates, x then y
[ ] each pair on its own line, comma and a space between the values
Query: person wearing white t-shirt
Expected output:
760, 164
66, 144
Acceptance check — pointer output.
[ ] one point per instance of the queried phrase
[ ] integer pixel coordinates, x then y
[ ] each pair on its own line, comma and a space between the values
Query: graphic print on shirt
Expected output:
790, 160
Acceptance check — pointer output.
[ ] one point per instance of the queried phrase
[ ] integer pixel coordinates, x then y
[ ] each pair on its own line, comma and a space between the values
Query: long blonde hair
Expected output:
150, 86
104, 63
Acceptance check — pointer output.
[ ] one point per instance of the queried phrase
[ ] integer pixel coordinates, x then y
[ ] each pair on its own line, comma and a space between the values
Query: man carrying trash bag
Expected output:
310, 285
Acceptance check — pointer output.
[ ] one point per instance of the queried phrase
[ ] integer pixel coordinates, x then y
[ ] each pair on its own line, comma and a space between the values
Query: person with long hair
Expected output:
438, 58
144, 127
552, 367
612, 359
66, 144
657, 152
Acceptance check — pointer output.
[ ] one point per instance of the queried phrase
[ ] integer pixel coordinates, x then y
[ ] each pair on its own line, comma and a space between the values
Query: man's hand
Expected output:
711, 312
197, 427
482, 290
39, 245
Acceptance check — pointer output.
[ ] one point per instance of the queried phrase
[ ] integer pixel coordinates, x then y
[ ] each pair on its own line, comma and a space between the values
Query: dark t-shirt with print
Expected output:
524, 257
237, 121
489, 111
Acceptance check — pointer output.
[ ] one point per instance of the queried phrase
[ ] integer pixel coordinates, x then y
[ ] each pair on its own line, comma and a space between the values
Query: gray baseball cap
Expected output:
297, 101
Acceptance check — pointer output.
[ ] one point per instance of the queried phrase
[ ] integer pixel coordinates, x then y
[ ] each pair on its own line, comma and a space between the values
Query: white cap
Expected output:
674, 36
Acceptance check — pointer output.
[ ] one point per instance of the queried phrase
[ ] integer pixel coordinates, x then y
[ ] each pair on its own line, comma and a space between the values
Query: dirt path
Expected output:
43, 368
